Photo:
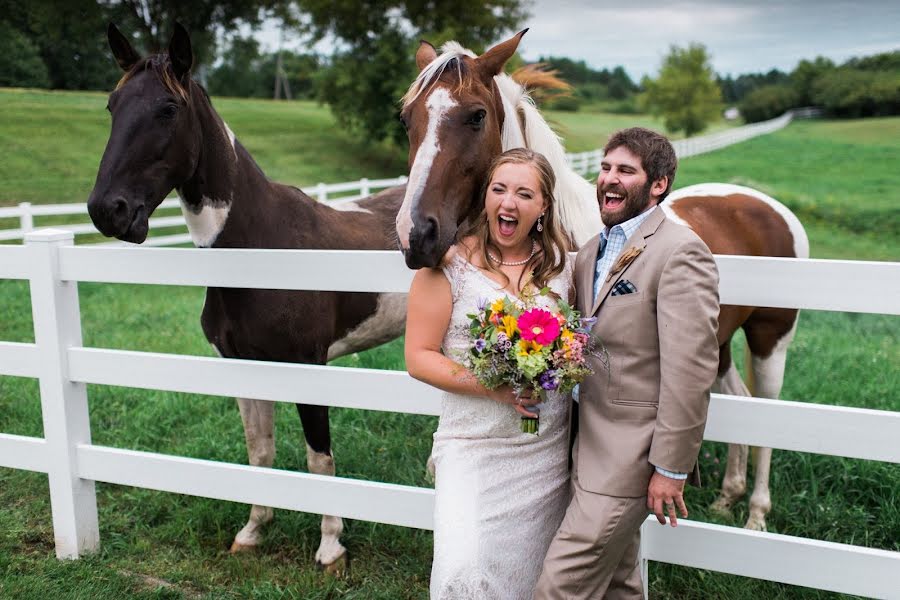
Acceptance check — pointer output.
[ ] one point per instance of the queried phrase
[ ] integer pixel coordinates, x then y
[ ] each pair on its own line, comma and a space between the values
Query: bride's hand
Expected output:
506, 395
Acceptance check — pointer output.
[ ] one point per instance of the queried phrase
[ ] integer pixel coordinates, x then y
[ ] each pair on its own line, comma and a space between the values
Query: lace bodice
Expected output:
475, 417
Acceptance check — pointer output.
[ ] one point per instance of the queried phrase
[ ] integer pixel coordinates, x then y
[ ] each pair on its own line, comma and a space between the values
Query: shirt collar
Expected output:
628, 227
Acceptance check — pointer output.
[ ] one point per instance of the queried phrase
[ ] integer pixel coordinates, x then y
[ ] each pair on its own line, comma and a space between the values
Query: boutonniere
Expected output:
624, 260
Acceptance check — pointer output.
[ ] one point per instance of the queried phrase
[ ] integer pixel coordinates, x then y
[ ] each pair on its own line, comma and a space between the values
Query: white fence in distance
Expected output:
64, 367
584, 163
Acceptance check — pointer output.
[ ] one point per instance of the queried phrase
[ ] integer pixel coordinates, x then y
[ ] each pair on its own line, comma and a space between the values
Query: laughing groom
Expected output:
653, 286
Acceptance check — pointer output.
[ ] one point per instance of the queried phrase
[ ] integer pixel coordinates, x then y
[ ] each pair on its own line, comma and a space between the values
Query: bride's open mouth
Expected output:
507, 225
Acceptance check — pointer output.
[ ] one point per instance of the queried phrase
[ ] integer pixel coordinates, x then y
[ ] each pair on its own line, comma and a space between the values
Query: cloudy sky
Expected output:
742, 36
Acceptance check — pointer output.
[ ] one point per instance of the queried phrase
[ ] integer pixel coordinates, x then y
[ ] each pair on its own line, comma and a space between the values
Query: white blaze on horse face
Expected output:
206, 224
438, 103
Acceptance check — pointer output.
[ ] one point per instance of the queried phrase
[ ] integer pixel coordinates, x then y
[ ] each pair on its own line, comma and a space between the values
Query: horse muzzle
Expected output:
115, 217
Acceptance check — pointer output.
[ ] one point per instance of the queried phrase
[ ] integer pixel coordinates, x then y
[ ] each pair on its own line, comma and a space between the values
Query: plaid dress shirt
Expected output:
612, 242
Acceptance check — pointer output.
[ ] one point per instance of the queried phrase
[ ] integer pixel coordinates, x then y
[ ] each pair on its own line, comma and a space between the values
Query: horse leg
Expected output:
768, 375
734, 484
769, 333
331, 555
259, 430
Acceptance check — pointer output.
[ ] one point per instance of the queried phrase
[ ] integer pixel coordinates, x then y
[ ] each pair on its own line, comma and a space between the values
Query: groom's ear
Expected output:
658, 188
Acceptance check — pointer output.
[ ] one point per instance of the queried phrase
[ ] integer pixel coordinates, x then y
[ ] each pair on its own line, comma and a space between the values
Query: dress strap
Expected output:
455, 271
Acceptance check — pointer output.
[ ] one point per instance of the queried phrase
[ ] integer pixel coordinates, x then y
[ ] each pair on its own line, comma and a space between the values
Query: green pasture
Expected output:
840, 177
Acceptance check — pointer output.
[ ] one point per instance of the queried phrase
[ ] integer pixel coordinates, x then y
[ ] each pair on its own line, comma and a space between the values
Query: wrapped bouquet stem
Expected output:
529, 348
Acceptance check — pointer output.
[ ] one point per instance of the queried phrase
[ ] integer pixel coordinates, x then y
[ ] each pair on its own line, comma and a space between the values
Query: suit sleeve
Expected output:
687, 313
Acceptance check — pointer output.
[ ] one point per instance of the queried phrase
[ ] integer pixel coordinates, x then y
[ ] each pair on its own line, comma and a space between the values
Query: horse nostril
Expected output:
430, 231
120, 208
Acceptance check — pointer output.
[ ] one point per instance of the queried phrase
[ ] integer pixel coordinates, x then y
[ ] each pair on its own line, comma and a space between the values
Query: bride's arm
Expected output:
428, 312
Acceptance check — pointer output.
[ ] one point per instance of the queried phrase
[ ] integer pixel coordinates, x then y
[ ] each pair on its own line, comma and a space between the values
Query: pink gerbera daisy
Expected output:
538, 325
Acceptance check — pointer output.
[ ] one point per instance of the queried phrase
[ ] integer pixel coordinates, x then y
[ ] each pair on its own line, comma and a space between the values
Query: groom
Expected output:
653, 286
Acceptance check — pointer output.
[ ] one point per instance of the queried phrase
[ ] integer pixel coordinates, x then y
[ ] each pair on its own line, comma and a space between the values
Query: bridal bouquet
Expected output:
529, 348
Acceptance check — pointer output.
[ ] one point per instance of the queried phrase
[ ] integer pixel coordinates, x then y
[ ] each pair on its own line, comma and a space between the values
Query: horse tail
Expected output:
541, 81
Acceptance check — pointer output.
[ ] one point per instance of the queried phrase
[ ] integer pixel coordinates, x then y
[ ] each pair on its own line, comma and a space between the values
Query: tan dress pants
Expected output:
595, 553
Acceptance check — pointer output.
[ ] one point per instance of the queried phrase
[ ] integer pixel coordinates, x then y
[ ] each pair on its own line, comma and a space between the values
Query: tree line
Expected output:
62, 45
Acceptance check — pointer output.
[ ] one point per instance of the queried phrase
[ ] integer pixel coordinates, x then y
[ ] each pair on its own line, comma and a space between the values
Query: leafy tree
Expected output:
375, 64
768, 102
150, 21
685, 93
20, 60
245, 72
70, 38
852, 93
804, 76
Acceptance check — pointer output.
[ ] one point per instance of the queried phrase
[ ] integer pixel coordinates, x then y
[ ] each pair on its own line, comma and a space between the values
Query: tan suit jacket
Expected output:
648, 405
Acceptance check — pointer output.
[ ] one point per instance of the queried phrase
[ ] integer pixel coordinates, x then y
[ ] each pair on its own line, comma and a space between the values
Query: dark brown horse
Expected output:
165, 135
461, 111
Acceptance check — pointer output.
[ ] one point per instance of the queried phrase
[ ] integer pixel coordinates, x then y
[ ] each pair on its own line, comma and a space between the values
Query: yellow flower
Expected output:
567, 335
497, 305
525, 347
508, 326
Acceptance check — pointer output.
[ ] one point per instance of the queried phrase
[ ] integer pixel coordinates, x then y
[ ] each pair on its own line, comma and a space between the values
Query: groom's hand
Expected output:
663, 494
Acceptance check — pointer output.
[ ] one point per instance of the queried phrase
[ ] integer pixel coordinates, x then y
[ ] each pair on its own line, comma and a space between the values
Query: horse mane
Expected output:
576, 204
161, 66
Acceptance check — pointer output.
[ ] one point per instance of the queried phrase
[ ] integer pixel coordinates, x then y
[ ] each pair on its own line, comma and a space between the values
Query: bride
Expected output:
500, 494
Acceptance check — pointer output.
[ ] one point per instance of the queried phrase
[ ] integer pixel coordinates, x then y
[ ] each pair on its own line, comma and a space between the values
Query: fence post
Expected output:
64, 405
645, 566
364, 189
321, 193
26, 219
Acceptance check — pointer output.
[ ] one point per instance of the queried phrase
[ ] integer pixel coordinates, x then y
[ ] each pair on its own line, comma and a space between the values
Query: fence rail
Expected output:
584, 163
64, 367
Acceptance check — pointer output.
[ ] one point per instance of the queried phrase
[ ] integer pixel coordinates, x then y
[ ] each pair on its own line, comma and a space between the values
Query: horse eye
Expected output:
404, 123
168, 111
477, 118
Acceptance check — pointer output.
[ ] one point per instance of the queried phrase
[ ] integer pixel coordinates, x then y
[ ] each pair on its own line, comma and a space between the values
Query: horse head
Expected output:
154, 142
454, 116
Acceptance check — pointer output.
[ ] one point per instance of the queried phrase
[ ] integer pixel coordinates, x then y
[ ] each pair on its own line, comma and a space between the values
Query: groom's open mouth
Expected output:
612, 200
507, 225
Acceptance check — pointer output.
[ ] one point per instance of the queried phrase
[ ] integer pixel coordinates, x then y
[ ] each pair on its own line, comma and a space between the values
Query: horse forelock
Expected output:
161, 67
452, 55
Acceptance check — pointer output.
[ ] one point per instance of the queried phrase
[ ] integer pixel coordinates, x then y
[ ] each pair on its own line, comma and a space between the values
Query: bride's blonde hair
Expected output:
549, 263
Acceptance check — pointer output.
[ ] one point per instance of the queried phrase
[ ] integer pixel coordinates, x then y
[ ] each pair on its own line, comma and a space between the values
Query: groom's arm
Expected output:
687, 321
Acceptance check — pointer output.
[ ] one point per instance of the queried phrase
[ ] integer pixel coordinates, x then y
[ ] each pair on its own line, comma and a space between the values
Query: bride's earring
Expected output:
540, 226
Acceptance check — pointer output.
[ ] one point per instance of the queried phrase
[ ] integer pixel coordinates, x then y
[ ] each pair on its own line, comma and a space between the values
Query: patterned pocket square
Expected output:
623, 287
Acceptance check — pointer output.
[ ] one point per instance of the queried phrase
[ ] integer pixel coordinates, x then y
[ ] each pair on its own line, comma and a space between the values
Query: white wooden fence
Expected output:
64, 367
584, 163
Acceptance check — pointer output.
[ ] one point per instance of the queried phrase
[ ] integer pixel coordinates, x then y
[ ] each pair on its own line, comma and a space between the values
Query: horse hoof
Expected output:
756, 524
339, 568
722, 508
238, 548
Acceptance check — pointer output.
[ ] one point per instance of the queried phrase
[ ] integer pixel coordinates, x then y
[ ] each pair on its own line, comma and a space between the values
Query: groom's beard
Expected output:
635, 202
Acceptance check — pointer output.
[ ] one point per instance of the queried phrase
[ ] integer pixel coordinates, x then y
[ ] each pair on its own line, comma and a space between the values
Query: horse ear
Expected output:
180, 53
121, 48
492, 62
425, 54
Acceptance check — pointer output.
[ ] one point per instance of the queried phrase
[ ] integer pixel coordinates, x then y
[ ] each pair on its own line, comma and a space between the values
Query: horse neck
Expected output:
225, 177
576, 203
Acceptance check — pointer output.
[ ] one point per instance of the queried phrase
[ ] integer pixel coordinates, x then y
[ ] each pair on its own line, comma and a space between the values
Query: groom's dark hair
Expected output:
654, 149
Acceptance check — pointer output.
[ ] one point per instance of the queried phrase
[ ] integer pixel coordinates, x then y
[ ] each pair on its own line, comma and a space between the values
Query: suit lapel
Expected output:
585, 276
638, 241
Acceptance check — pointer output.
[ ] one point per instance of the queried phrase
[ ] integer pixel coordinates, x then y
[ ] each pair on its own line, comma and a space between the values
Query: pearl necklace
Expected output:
517, 263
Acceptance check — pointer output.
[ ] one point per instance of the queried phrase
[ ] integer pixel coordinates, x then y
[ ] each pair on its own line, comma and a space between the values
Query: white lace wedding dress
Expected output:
500, 493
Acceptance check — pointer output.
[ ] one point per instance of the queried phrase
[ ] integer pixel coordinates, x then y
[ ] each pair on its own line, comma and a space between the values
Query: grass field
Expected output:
840, 176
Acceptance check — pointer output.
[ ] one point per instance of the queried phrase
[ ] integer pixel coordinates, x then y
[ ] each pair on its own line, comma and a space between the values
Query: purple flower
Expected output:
548, 380
481, 304
502, 338
480, 344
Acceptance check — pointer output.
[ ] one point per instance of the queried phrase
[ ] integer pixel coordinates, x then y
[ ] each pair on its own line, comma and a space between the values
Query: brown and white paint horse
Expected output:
462, 110
166, 135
